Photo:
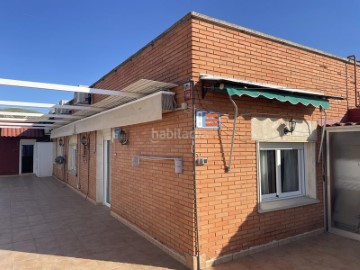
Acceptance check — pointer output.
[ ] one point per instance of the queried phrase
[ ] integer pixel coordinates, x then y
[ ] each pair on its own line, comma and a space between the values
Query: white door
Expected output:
107, 171
43, 159
344, 182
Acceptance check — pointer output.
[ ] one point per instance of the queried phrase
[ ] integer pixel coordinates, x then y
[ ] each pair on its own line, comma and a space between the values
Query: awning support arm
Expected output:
236, 111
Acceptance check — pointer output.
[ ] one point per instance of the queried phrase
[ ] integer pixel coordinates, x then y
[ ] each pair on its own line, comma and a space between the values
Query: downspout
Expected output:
66, 148
353, 57
63, 165
196, 219
95, 140
236, 111
78, 145
88, 167
322, 137
321, 154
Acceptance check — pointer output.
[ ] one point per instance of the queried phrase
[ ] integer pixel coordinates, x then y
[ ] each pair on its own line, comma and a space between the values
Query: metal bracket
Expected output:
203, 90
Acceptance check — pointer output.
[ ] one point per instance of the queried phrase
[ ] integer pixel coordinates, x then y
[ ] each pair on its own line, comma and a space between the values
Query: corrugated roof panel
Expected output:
352, 118
142, 86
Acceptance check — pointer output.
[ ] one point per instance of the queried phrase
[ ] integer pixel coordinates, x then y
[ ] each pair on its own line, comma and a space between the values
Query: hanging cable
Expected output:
322, 137
196, 216
236, 110
353, 57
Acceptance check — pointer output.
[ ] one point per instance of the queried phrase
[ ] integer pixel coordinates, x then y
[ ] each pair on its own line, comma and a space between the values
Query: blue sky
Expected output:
76, 42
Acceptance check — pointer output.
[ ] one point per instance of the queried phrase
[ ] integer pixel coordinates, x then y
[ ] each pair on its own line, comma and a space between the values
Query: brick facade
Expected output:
228, 218
152, 196
86, 166
160, 202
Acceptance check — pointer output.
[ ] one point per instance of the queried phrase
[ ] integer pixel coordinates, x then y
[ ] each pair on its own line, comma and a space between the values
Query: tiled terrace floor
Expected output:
323, 252
44, 225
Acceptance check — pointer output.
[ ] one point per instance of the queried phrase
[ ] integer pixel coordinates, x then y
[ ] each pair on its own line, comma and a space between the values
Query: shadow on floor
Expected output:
44, 225
322, 252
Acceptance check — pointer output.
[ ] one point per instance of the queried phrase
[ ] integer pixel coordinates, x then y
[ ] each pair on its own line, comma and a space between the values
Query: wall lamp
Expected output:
61, 142
84, 141
121, 136
291, 128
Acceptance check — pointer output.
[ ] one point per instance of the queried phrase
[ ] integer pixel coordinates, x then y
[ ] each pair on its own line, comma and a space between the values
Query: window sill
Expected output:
285, 204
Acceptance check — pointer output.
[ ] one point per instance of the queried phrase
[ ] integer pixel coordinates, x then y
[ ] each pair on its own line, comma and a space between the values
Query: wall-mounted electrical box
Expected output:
201, 161
136, 161
178, 165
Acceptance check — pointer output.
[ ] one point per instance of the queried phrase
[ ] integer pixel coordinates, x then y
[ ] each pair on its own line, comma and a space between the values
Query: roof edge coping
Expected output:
265, 36
229, 25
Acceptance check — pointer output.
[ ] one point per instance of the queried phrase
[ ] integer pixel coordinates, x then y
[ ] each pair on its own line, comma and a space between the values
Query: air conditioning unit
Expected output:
47, 131
82, 98
60, 110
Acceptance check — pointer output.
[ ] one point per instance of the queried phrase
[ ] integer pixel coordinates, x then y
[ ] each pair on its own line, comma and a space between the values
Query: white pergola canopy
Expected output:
137, 103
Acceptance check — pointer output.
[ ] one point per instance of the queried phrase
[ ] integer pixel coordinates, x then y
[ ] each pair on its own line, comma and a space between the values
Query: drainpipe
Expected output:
322, 137
78, 146
88, 167
65, 148
323, 169
63, 167
95, 142
236, 110
196, 219
324, 175
353, 57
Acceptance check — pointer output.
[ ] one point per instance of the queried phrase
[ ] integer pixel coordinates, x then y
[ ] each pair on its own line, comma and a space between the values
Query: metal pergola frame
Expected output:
31, 120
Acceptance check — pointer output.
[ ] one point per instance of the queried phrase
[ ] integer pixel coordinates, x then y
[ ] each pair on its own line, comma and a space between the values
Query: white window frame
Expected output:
277, 147
72, 154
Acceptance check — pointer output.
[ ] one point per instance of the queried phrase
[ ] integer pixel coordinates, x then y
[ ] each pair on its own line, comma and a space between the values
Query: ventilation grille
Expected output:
168, 102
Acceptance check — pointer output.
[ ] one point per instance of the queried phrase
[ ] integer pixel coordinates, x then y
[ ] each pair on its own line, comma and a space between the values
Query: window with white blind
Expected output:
281, 170
72, 154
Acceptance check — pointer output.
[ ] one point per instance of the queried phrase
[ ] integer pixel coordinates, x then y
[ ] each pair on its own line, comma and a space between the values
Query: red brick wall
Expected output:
83, 168
152, 196
166, 60
227, 204
58, 170
159, 201
88, 165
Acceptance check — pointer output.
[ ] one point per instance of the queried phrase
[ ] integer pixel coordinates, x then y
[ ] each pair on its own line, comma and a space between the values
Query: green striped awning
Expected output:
293, 98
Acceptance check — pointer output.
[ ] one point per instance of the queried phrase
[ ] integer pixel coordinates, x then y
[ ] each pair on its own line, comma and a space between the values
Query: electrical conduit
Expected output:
236, 111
